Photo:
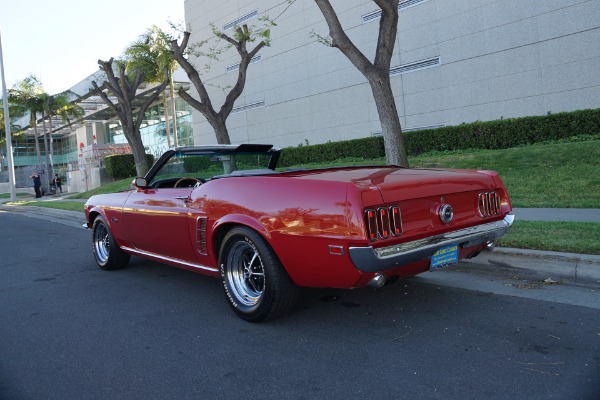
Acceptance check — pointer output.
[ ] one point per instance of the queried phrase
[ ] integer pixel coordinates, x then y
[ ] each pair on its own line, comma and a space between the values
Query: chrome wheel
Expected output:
107, 252
101, 244
256, 285
246, 273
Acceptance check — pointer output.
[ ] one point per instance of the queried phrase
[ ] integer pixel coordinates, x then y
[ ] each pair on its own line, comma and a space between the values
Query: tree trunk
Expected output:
172, 90
51, 145
37, 143
167, 127
139, 154
395, 153
48, 165
221, 131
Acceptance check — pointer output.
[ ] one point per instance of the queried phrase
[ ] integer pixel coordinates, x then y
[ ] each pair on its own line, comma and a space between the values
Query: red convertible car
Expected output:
226, 211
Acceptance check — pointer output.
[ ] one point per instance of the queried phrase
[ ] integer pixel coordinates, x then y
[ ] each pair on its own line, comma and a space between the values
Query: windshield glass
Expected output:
208, 165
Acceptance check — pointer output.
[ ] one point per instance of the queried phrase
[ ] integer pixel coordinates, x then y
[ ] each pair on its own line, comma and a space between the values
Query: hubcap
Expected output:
245, 273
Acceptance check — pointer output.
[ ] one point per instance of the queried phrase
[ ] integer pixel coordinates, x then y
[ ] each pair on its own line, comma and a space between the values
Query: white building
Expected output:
455, 61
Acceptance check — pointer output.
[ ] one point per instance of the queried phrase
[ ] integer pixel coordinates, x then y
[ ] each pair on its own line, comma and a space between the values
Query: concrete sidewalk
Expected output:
557, 214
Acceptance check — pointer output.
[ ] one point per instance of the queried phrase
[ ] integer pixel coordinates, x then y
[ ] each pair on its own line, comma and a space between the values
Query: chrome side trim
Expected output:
368, 259
167, 259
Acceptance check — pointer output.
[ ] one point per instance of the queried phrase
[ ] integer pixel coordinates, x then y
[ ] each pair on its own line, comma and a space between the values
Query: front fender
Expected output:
111, 216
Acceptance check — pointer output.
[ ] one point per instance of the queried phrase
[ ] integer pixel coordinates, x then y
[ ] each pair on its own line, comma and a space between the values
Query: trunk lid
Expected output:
399, 184
420, 194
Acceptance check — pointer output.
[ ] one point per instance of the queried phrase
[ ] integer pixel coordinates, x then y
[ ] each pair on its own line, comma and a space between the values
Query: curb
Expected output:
66, 217
572, 267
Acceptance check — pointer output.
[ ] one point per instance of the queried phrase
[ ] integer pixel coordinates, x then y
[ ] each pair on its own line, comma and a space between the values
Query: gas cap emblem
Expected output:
446, 213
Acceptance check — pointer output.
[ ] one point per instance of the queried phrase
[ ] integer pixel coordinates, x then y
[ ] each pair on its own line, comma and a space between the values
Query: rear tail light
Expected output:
396, 219
383, 222
371, 224
488, 204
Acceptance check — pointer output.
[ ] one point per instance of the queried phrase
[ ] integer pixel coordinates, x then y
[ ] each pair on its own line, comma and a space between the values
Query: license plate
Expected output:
445, 256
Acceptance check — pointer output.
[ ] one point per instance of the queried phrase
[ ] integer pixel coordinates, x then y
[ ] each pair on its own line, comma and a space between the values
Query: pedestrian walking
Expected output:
37, 184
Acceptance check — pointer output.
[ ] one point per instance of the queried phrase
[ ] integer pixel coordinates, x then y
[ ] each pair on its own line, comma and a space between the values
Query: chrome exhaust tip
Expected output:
377, 282
490, 246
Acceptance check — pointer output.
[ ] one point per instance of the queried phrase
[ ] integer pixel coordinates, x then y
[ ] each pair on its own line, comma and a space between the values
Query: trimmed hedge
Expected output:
121, 166
499, 134
367, 148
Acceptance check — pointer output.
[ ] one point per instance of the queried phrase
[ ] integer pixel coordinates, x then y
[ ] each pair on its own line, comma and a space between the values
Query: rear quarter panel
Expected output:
300, 219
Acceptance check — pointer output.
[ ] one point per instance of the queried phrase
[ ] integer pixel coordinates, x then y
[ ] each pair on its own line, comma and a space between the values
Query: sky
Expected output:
61, 41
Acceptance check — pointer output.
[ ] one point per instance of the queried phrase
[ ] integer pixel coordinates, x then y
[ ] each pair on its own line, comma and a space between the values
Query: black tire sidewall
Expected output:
97, 222
116, 259
261, 309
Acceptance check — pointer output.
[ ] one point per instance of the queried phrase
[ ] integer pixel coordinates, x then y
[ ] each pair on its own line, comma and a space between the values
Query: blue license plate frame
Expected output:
445, 256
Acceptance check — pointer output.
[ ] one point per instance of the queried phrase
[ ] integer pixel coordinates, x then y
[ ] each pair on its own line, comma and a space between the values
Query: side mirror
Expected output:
140, 183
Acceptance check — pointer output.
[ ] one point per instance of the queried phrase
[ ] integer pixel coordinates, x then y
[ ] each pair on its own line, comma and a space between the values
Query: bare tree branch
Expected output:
217, 119
376, 72
342, 42
125, 91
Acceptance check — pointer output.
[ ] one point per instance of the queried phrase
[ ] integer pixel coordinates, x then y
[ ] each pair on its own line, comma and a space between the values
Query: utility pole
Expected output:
9, 154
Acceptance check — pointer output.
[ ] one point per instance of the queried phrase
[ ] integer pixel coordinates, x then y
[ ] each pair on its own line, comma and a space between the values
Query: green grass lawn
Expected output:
563, 175
62, 205
7, 195
551, 175
117, 186
570, 237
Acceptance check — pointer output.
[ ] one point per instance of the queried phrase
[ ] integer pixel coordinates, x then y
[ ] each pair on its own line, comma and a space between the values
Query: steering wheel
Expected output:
196, 181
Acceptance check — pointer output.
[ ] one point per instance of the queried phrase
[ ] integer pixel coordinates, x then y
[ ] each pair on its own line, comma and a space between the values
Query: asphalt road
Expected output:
71, 331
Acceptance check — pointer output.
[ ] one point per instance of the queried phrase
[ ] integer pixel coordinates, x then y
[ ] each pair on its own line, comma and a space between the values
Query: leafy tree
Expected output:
15, 112
61, 106
27, 97
152, 53
242, 36
124, 89
376, 72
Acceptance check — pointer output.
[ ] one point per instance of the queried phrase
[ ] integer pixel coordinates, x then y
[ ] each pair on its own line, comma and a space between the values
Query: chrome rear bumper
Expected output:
369, 259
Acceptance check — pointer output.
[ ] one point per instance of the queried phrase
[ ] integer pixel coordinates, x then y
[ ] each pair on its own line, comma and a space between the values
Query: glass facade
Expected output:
63, 150
153, 131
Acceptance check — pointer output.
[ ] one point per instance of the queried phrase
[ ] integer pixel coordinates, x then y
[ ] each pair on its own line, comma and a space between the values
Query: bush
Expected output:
499, 134
505, 133
366, 148
195, 164
120, 166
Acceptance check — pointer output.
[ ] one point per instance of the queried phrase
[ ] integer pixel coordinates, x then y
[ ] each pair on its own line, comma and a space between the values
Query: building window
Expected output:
248, 107
235, 67
424, 127
240, 20
414, 128
372, 16
403, 69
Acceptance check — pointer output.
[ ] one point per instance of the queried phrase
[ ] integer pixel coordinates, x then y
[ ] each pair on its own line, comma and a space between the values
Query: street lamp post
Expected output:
9, 155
